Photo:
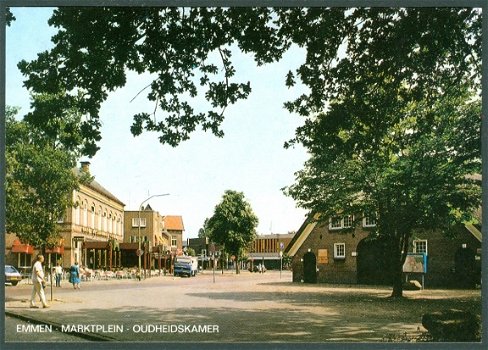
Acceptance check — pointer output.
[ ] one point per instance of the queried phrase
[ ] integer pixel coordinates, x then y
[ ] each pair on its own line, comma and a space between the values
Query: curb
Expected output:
57, 327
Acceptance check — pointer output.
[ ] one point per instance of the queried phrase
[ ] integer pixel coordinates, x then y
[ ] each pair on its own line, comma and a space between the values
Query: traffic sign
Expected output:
139, 252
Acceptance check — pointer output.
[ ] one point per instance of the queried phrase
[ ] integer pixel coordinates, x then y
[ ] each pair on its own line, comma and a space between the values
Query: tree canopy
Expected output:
233, 224
39, 183
188, 51
400, 137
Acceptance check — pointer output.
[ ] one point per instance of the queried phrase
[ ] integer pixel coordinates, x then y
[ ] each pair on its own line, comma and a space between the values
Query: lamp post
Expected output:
139, 252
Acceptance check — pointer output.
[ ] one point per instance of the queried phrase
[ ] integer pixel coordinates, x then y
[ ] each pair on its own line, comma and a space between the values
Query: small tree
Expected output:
190, 252
233, 224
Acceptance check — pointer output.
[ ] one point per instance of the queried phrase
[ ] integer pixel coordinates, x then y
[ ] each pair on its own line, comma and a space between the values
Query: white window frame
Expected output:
175, 240
336, 219
135, 222
85, 214
333, 223
92, 223
369, 224
337, 254
350, 221
415, 246
100, 216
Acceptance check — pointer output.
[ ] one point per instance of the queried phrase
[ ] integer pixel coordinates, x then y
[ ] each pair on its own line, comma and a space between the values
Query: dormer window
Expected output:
369, 221
340, 222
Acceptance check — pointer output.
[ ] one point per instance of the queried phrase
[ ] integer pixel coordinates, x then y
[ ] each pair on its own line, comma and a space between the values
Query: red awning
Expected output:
18, 247
55, 250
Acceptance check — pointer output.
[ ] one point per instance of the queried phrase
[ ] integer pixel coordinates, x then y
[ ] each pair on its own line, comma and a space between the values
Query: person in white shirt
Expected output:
38, 281
58, 272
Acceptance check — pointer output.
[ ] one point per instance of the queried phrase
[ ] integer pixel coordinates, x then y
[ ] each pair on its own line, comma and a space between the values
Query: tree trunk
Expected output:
398, 280
400, 254
237, 266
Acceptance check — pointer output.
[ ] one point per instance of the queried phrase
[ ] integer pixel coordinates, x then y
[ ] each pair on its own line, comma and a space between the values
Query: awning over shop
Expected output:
95, 245
18, 247
128, 246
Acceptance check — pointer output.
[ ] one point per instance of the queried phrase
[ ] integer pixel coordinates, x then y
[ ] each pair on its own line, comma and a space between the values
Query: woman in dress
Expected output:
74, 275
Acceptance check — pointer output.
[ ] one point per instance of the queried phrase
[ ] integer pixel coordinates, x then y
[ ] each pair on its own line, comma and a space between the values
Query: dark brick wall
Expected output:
441, 253
333, 270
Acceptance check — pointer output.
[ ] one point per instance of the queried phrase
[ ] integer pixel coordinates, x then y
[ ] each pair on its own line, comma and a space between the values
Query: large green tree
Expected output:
400, 136
415, 177
233, 224
188, 51
39, 183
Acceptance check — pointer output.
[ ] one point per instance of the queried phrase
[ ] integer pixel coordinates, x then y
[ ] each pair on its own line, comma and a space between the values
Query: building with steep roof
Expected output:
342, 251
175, 227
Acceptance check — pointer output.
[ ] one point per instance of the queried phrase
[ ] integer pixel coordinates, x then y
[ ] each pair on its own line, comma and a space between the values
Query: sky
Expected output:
250, 157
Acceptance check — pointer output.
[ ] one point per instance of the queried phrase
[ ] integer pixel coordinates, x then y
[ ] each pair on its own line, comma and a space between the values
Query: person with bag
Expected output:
38, 283
74, 275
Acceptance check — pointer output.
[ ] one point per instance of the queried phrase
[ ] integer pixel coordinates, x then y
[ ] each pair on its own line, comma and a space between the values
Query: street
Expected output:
248, 307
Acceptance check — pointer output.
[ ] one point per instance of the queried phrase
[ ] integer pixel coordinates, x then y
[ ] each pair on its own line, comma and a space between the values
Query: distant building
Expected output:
265, 250
173, 224
148, 226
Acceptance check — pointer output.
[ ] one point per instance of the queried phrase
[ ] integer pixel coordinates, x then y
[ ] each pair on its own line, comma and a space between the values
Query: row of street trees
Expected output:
391, 109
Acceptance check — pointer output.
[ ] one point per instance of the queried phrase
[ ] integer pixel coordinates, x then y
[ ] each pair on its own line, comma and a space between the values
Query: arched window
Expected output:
77, 211
100, 218
110, 222
105, 221
85, 213
92, 222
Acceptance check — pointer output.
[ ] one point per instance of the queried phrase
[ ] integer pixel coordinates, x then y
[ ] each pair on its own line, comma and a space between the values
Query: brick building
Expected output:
340, 251
265, 250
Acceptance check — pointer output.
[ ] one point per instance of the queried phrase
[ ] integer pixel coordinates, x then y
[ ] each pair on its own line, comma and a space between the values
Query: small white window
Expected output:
173, 241
347, 221
135, 222
339, 250
369, 221
335, 223
420, 246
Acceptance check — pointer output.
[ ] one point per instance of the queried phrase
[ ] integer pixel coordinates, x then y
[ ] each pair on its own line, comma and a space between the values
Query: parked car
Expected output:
12, 275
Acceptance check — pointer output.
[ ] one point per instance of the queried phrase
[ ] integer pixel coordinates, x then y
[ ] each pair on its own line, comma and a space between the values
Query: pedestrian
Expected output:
38, 283
58, 273
74, 275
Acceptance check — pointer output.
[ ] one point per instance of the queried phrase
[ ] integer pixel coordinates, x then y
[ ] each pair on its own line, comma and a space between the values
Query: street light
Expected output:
139, 252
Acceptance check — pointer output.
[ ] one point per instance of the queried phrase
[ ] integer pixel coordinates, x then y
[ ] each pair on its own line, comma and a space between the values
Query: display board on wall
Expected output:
323, 257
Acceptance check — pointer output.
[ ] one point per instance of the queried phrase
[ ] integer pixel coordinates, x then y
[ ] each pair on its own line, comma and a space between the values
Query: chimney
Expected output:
85, 166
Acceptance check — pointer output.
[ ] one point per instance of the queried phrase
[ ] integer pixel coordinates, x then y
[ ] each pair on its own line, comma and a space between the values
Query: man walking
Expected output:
38, 283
